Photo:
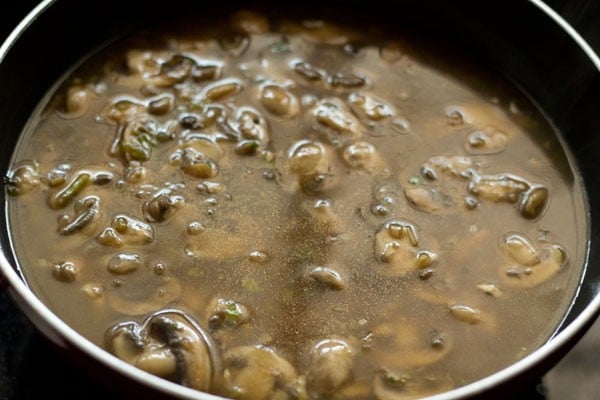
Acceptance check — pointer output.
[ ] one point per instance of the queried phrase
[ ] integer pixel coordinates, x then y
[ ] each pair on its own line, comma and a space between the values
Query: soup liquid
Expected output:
294, 188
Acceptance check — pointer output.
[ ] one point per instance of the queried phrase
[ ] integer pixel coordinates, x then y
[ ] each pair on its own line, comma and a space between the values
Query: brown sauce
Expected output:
282, 213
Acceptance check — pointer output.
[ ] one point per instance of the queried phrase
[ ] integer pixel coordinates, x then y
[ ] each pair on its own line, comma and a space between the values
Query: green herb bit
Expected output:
251, 285
232, 312
135, 148
396, 380
414, 180
64, 196
281, 46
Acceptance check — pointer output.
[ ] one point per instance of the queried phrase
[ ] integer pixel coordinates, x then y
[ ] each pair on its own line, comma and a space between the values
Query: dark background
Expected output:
31, 369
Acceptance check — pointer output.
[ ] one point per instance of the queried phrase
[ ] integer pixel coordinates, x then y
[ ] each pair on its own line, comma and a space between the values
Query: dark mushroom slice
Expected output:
162, 206
174, 70
169, 344
206, 72
87, 213
161, 104
308, 71
346, 80
533, 202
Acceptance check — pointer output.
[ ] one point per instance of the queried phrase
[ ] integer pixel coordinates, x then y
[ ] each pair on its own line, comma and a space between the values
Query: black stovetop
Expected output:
31, 368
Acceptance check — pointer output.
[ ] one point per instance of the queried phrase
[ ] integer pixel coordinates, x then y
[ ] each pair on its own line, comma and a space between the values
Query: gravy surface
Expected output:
280, 209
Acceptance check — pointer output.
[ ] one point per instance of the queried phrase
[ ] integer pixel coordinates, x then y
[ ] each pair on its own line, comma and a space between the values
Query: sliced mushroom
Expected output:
370, 107
169, 344
533, 266
363, 155
346, 80
65, 271
465, 313
490, 289
330, 367
456, 166
334, 116
173, 70
124, 263
278, 101
77, 101
161, 104
219, 90
504, 187
162, 206
308, 71
124, 108
143, 63
251, 125
258, 373
125, 229
396, 244
87, 213
308, 157
227, 314
533, 202
489, 141
428, 199
327, 276
22, 178
203, 143
520, 249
